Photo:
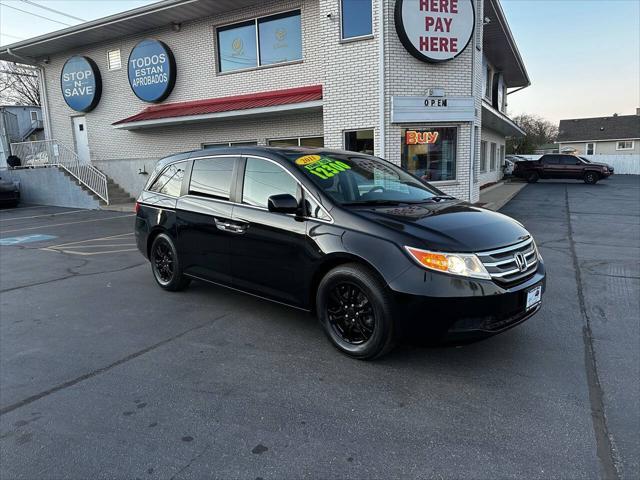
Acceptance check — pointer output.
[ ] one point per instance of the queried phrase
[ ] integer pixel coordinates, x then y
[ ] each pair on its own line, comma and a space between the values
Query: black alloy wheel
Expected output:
350, 313
355, 308
591, 178
165, 264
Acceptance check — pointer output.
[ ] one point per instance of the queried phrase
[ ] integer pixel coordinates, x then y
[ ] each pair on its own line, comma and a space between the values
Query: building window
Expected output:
493, 156
170, 180
280, 38
356, 18
211, 177
317, 142
259, 42
114, 61
590, 149
488, 82
263, 179
34, 116
430, 153
230, 144
483, 156
360, 141
625, 145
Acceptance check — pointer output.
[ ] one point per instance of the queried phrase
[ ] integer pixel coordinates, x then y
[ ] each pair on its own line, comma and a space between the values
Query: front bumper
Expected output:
461, 309
9, 196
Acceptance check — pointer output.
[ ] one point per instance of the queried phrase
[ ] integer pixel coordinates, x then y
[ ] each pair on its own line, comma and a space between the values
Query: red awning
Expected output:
208, 108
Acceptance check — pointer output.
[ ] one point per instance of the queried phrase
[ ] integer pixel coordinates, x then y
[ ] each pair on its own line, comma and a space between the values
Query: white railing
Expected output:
52, 153
625, 164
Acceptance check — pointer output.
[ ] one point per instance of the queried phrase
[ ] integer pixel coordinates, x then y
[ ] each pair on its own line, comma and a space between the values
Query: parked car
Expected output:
369, 247
508, 167
561, 166
9, 192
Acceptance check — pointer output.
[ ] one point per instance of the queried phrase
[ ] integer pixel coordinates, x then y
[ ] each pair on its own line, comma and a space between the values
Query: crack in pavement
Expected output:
194, 459
93, 373
73, 275
605, 446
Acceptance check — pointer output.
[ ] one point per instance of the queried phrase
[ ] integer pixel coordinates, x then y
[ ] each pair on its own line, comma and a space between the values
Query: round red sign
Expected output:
435, 30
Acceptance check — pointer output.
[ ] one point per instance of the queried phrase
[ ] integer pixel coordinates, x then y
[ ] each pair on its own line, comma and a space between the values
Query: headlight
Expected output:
464, 264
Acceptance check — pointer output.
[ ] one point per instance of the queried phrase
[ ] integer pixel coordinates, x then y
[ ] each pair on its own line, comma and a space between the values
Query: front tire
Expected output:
591, 178
165, 264
533, 177
356, 311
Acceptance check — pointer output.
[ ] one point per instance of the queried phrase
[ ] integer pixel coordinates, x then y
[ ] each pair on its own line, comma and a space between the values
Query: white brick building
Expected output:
347, 51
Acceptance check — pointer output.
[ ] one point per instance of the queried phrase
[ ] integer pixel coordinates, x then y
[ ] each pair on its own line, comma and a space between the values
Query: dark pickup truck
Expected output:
562, 166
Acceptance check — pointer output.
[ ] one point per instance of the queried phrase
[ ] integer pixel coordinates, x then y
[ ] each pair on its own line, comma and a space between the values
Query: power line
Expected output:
10, 36
53, 10
36, 15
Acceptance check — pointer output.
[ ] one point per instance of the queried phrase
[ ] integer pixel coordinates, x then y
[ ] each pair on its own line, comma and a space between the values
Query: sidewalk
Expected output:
496, 196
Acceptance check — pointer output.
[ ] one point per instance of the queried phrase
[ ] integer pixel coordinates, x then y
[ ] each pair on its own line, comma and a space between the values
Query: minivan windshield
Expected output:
364, 180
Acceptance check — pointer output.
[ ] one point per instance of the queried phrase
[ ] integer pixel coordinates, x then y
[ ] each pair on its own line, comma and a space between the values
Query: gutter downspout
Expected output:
472, 139
381, 82
44, 100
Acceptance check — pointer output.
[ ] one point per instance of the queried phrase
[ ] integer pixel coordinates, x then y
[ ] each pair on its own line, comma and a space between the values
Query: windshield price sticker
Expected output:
322, 167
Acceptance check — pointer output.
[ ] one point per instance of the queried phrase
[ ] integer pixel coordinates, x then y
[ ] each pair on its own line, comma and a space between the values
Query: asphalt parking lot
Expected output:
103, 375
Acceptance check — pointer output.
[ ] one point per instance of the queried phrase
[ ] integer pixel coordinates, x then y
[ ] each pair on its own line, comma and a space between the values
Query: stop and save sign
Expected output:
435, 30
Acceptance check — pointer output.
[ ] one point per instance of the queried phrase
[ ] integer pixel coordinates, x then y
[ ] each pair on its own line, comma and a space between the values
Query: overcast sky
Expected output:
583, 56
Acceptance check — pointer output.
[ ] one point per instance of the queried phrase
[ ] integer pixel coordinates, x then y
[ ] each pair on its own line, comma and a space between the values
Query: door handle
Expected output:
230, 227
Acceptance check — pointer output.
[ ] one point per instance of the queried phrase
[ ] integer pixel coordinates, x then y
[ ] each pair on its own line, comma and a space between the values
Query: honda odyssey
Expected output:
370, 248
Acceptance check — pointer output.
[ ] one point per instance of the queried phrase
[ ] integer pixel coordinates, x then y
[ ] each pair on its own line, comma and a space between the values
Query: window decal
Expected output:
323, 167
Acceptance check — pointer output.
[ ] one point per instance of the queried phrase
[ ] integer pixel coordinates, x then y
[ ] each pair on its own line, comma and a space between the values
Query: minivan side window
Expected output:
169, 182
211, 177
263, 179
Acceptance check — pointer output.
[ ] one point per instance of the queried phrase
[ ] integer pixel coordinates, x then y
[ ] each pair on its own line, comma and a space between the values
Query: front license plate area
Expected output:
534, 296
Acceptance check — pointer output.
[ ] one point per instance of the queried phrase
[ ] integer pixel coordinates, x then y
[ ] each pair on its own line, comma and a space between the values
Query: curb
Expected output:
495, 206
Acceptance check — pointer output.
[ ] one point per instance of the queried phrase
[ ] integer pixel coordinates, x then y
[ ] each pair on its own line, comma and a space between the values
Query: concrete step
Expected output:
117, 195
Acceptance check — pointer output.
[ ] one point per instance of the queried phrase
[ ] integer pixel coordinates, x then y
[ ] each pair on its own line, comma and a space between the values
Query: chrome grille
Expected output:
513, 264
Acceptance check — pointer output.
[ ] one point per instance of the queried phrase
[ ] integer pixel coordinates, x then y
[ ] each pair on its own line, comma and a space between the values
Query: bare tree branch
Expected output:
538, 132
18, 84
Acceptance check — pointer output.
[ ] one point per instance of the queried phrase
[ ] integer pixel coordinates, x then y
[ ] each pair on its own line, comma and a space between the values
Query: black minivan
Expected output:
372, 249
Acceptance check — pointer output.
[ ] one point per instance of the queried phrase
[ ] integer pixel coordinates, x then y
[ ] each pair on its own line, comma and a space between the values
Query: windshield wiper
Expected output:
375, 202
439, 198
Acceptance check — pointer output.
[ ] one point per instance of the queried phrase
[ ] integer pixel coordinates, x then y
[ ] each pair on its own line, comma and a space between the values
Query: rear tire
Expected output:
533, 177
356, 309
165, 264
591, 178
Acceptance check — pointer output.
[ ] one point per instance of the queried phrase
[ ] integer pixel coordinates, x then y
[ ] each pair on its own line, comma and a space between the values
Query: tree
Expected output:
538, 132
19, 84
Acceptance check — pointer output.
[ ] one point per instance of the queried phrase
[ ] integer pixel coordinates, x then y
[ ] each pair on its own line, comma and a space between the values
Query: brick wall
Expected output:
348, 71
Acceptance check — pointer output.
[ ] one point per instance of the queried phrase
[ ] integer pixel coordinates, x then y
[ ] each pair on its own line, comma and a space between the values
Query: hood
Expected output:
598, 164
449, 226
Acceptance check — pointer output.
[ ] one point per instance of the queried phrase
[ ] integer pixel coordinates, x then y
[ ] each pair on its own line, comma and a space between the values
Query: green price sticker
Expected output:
326, 168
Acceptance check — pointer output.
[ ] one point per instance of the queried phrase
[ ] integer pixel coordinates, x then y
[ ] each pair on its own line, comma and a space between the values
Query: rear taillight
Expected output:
136, 207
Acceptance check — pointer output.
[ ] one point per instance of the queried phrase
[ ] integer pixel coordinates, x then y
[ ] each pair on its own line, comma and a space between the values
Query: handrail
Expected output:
45, 153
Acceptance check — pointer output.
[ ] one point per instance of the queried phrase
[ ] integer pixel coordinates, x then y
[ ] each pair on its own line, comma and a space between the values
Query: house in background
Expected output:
616, 135
19, 123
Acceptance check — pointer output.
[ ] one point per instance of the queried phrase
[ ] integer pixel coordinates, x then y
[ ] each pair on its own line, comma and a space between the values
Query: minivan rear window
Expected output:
211, 177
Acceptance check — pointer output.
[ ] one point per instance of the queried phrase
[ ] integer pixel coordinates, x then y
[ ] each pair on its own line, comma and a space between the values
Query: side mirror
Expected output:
283, 203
